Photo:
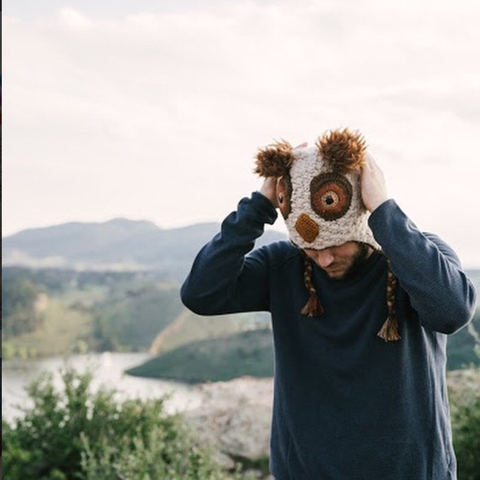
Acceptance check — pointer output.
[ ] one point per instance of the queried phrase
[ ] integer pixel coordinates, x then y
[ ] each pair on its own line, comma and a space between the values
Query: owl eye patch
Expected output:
330, 195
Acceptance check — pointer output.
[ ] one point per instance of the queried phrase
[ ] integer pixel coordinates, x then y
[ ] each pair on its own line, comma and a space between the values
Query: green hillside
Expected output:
133, 321
219, 359
248, 353
63, 331
48, 312
463, 346
77, 312
189, 327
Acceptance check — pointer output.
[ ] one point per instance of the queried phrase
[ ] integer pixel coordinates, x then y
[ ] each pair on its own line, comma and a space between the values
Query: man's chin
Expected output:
336, 274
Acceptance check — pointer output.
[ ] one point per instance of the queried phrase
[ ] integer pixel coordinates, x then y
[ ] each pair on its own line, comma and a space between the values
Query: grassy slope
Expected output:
461, 346
242, 353
61, 333
132, 312
139, 311
136, 318
189, 327
220, 359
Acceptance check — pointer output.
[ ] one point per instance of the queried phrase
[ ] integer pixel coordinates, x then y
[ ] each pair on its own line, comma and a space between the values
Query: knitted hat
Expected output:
318, 193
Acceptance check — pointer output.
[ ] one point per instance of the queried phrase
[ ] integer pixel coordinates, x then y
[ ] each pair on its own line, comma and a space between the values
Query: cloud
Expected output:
138, 113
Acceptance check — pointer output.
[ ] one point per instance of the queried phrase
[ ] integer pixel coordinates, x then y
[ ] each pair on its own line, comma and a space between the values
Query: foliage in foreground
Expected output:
79, 434
466, 434
74, 433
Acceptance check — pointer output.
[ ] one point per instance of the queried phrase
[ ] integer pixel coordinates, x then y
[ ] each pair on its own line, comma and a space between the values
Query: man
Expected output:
361, 303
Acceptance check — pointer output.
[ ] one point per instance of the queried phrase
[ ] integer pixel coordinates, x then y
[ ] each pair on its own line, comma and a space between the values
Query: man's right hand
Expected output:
373, 187
269, 190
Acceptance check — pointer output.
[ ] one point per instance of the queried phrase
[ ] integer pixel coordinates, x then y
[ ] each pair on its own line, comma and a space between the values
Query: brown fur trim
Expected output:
343, 150
274, 160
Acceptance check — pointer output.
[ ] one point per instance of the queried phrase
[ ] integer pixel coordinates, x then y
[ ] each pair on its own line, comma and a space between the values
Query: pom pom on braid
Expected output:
389, 330
313, 308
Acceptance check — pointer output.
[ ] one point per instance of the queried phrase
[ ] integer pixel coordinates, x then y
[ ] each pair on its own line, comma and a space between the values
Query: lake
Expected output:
108, 371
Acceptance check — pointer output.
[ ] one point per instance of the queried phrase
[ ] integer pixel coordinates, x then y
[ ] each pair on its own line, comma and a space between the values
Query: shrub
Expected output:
466, 435
72, 433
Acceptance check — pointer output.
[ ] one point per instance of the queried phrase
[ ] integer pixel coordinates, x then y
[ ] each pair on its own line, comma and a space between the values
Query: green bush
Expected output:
466, 435
73, 433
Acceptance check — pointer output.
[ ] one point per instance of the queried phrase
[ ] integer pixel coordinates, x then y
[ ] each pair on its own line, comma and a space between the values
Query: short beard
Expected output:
358, 260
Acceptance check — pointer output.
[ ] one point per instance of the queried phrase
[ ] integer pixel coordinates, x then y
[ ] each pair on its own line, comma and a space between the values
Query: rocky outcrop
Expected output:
463, 385
234, 418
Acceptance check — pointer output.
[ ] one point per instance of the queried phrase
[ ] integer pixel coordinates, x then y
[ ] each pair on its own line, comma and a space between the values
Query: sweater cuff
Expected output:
384, 219
264, 207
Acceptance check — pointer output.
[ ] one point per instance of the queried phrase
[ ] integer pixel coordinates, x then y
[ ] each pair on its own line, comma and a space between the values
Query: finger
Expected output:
369, 160
370, 163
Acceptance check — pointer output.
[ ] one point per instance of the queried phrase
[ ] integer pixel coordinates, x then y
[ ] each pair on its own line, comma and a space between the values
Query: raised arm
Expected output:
224, 278
425, 266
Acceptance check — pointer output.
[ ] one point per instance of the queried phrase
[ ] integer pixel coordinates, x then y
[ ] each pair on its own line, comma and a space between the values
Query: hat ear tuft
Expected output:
274, 160
343, 150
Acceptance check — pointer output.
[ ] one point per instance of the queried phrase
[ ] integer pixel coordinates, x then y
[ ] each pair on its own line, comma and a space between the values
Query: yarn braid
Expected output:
313, 307
389, 330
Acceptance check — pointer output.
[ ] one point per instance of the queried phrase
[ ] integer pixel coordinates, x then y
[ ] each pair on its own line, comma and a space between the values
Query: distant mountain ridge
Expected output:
118, 244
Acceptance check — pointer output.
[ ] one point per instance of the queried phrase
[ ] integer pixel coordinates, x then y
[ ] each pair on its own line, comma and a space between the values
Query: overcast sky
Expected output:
154, 110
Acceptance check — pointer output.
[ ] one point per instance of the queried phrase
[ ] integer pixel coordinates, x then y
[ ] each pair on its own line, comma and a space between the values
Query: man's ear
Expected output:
274, 160
343, 150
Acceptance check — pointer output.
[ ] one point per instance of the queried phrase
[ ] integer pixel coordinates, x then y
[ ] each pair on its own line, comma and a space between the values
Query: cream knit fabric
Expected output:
350, 226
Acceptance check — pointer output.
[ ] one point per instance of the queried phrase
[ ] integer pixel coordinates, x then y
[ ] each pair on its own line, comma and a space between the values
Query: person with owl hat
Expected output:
361, 303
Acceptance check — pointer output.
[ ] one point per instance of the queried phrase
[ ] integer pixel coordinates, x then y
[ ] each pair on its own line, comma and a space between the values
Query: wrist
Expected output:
264, 206
376, 203
266, 198
269, 190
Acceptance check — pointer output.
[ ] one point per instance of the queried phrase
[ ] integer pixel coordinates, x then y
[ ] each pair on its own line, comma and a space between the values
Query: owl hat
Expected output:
319, 196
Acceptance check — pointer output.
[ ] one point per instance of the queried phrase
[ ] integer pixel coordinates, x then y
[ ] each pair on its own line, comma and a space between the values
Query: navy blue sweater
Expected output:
347, 405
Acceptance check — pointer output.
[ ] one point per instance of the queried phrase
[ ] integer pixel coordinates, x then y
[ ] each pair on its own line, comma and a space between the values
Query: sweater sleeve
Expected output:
426, 268
223, 278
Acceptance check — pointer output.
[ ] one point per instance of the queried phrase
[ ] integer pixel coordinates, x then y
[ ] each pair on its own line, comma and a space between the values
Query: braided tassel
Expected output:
389, 330
313, 308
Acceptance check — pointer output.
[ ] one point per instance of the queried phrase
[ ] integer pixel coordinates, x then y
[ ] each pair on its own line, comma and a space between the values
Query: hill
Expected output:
189, 327
118, 244
120, 293
219, 359
463, 347
77, 312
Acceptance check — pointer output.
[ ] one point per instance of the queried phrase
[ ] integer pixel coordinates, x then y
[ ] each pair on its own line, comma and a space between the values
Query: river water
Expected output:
108, 370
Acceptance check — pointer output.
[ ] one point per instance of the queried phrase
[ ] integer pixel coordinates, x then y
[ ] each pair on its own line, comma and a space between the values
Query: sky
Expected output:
154, 110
